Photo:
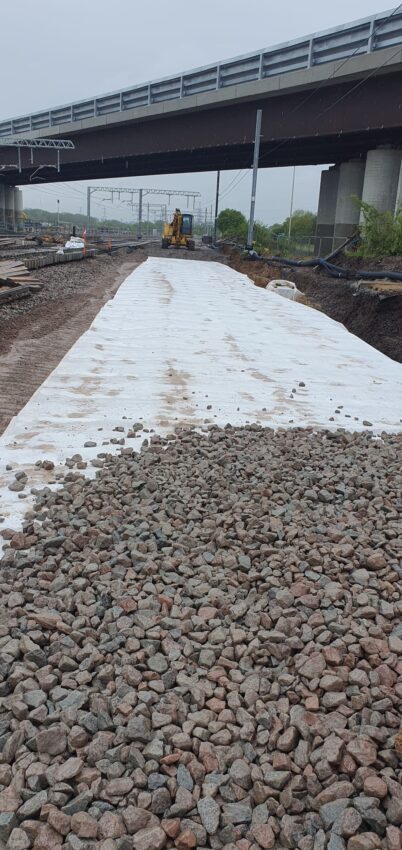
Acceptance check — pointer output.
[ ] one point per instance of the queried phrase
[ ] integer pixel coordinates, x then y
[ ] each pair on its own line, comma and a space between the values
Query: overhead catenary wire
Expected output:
283, 143
55, 194
359, 83
227, 190
246, 172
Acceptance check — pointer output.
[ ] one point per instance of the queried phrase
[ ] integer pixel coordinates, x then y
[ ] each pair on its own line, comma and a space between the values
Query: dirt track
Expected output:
36, 333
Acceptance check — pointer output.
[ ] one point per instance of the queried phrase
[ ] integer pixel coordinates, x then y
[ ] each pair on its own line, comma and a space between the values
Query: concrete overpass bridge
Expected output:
334, 96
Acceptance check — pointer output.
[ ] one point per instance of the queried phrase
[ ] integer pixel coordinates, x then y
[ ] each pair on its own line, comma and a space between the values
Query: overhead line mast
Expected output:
119, 190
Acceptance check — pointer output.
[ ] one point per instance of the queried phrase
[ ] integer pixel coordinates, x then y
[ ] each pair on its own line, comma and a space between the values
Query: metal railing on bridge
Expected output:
360, 37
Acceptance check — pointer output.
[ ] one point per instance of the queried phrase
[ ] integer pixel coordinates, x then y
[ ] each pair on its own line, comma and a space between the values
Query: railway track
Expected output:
20, 253
39, 257
13, 290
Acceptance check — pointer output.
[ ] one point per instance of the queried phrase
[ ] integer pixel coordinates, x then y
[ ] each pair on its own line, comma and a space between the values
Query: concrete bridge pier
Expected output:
350, 188
381, 179
376, 180
18, 208
324, 235
9, 208
338, 210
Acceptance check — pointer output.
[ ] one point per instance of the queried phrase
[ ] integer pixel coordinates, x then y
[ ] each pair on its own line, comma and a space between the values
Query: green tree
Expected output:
232, 223
80, 220
303, 224
261, 235
276, 230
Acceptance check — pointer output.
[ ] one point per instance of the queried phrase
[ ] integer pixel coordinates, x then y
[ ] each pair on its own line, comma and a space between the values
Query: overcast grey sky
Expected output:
64, 52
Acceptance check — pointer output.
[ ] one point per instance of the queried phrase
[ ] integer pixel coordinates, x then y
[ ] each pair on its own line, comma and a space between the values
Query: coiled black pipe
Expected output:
331, 269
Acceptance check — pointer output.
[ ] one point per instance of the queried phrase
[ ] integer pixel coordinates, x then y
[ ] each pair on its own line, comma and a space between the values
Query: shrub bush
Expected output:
381, 232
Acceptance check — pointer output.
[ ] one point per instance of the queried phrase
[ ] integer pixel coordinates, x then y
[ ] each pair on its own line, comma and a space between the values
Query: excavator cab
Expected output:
187, 224
179, 233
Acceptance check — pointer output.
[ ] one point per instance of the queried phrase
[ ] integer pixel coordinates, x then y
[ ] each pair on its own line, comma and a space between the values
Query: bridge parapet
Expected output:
364, 36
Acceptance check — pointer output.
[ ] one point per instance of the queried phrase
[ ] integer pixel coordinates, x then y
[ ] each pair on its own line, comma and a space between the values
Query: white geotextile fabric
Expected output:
196, 342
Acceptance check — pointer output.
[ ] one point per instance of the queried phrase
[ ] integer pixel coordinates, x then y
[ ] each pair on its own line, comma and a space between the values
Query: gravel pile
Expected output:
201, 648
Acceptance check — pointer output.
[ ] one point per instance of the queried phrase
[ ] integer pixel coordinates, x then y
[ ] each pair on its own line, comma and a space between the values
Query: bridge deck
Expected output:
368, 35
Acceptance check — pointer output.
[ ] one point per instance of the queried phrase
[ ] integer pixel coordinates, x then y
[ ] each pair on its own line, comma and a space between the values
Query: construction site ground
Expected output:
200, 598
35, 333
200, 604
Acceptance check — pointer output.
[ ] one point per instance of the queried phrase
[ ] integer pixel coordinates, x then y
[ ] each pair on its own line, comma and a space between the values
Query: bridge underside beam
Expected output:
274, 153
333, 124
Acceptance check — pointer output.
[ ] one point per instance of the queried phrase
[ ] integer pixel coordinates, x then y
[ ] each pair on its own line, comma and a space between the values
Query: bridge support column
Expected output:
324, 235
18, 208
350, 188
9, 207
381, 179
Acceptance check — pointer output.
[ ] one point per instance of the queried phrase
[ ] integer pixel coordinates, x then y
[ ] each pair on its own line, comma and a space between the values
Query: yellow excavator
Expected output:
179, 233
